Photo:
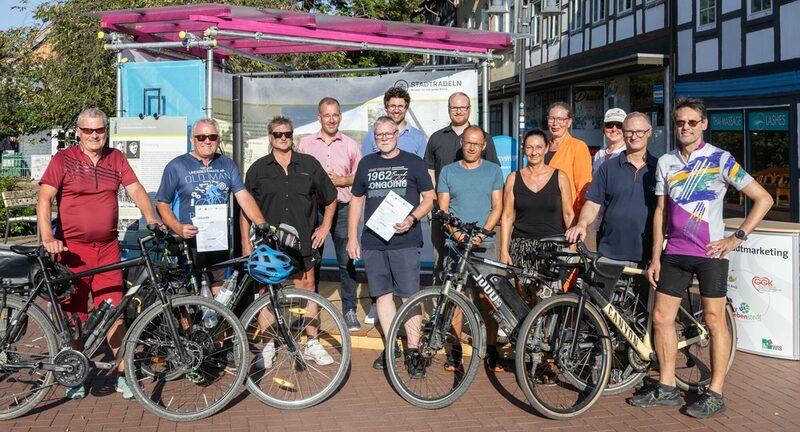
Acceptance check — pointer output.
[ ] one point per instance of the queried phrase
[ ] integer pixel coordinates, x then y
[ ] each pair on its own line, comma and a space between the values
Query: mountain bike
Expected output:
568, 338
446, 323
176, 367
281, 323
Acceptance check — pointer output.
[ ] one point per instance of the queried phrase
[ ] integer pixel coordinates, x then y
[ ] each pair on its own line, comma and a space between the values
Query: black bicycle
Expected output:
177, 367
442, 321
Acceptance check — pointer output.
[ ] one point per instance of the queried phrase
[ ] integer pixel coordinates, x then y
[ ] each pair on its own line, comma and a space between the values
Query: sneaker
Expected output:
380, 362
351, 320
656, 395
453, 362
78, 392
493, 362
414, 364
372, 316
195, 377
122, 387
709, 404
315, 351
267, 356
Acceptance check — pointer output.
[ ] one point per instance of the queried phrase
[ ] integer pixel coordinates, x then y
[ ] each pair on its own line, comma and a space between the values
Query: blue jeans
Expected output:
347, 269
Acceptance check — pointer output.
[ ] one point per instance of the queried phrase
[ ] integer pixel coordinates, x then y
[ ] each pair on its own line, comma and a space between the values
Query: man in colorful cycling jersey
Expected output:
691, 182
85, 179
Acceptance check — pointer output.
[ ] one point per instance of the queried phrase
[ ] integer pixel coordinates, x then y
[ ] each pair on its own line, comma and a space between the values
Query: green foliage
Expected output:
18, 228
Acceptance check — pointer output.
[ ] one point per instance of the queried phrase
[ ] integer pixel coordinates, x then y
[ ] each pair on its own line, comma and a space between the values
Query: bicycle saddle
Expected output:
25, 250
557, 239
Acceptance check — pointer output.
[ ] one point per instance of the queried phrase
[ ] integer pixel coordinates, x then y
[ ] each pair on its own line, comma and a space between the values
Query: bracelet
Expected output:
414, 219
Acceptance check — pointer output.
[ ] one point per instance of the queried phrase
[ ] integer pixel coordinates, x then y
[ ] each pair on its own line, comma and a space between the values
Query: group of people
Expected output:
323, 184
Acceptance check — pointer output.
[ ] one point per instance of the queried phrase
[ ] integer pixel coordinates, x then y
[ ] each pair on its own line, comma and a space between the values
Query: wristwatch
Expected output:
740, 234
414, 219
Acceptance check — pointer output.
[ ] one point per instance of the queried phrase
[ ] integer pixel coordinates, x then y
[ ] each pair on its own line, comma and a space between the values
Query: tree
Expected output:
50, 91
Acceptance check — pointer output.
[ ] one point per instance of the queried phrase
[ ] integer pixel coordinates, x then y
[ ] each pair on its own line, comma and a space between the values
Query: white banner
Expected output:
762, 285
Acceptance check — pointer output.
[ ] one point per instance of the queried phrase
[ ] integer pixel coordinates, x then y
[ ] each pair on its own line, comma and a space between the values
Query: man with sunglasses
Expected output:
85, 179
203, 176
691, 183
339, 155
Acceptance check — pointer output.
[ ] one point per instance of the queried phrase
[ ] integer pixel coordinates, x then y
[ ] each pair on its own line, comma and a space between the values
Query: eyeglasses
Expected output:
396, 107
612, 125
385, 135
459, 108
557, 120
279, 135
638, 133
89, 131
474, 144
209, 137
691, 123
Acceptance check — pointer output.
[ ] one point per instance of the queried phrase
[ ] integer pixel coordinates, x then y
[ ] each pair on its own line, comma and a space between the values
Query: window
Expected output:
536, 23
706, 14
624, 6
758, 8
512, 19
552, 27
598, 11
496, 119
576, 15
484, 20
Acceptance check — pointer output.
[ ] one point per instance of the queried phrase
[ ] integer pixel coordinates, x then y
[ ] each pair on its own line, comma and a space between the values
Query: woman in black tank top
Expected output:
537, 203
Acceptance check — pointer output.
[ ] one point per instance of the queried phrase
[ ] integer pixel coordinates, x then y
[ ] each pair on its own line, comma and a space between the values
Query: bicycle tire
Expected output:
693, 363
547, 332
438, 387
212, 375
26, 400
295, 381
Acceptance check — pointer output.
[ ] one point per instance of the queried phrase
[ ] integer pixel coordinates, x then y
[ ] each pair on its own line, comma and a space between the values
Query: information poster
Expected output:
763, 288
148, 144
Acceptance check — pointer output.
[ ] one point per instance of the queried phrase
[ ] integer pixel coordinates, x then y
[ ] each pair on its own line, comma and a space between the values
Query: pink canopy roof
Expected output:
164, 24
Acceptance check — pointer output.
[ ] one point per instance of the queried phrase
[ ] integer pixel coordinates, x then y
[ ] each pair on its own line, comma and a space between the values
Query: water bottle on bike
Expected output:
209, 316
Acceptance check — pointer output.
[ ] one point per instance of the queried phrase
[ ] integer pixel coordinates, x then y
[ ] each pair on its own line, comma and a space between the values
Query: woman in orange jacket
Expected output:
568, 153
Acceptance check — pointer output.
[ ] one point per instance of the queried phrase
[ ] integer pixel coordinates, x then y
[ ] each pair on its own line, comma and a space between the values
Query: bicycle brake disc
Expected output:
77, 366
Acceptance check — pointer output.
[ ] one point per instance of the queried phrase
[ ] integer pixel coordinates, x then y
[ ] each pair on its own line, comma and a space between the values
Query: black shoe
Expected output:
380, 362
709, 404
493, 362
453, 362
414, 364
655, 396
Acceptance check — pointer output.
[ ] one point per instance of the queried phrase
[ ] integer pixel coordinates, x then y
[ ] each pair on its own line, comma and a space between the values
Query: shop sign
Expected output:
768, 120
658, 93
726, 121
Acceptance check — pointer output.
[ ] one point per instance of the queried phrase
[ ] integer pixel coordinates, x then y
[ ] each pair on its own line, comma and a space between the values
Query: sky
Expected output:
15, 18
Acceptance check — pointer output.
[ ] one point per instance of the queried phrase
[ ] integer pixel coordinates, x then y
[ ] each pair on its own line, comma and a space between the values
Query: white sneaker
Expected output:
371, 316
267, 356
315, 351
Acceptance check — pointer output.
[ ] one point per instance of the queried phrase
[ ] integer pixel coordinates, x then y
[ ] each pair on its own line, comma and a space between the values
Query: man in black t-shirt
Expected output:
392, 266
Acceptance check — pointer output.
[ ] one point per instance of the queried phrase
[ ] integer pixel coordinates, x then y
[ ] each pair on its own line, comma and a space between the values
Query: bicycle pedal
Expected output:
103, 365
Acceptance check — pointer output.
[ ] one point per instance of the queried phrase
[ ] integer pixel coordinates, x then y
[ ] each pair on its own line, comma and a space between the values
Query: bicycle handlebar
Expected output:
470, 228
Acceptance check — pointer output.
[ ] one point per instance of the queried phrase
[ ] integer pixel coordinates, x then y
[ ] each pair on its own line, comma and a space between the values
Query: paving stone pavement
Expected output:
762, 394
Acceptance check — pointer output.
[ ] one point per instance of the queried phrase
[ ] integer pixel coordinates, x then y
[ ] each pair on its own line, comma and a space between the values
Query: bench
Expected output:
775, 180
20, 199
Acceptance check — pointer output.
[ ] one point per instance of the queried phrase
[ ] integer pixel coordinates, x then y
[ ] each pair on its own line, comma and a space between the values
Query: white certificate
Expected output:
212, 227
391, 211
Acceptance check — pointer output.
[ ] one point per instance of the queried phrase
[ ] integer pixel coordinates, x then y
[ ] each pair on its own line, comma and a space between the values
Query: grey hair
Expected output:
382, 120
209, 121
92, 113
641, 115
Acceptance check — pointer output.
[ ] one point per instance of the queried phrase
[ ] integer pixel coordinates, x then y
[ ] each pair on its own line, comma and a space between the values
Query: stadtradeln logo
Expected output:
743, 313
767, 344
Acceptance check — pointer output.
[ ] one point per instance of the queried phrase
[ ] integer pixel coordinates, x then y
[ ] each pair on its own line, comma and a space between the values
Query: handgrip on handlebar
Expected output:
593, 256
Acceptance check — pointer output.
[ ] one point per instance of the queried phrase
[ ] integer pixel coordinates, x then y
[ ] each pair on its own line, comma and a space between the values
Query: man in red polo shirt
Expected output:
85, 179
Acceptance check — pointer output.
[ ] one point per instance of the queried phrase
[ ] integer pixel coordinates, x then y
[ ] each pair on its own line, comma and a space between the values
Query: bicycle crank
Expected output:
74, 368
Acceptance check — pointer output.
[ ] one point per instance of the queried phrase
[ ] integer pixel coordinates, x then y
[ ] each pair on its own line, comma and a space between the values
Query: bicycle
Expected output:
570, 333
175, 367
445, 320
289, 318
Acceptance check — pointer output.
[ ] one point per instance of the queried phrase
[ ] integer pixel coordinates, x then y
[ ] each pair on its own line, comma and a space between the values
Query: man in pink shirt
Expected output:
339, 155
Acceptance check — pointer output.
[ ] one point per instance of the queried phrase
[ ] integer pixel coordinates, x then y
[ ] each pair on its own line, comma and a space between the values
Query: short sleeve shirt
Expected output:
471, 189
88, 210
340, 157
695, 192
444, 148
406, 175
187, 182
628, 196
291, 196
411, 140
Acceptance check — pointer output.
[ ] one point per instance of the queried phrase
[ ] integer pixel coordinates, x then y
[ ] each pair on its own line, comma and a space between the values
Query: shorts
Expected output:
392, 271
207, 259
677, 271
87, 256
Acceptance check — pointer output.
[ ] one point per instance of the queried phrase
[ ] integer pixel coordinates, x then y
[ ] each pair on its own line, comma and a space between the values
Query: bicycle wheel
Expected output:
693, 363
198, 384
428, 382
21, 389
556, 383
300, 371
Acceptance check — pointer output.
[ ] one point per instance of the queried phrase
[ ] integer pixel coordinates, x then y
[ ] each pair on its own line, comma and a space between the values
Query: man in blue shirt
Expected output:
202, 177
625, 186
397, 102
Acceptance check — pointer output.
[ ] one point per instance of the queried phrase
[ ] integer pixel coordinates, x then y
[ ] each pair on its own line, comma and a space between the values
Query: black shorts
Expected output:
677, 271
207, 259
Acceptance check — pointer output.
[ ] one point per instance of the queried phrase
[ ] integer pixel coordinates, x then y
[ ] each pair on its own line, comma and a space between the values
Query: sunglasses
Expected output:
89, 131
612, 125
279, 135
211, 137
691, 123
